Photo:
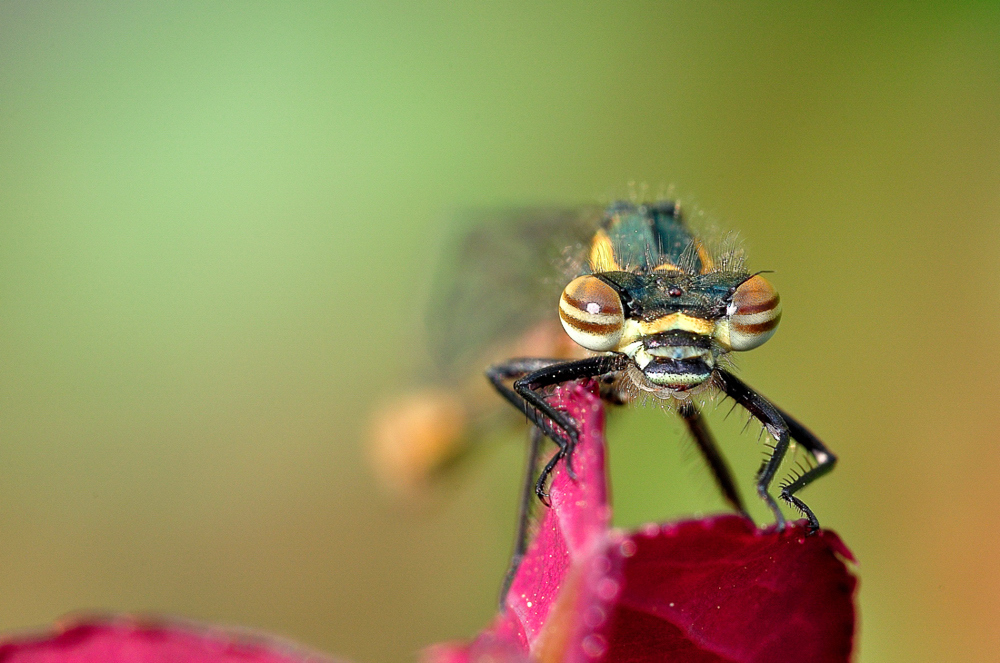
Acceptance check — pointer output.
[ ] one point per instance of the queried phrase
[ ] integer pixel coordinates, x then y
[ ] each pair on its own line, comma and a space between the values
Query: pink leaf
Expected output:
711, 590
561, 565
134, 640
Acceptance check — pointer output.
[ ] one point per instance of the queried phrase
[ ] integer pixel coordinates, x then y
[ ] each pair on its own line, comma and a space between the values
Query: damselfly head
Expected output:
656, 294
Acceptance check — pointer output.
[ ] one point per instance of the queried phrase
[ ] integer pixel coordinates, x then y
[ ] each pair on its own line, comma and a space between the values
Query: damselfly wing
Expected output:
491, 299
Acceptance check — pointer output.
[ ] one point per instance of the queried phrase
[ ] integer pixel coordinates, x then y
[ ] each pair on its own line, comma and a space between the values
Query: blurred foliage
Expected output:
217, 223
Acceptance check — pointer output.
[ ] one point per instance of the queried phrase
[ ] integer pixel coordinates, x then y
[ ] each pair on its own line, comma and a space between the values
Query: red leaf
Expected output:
133, 640
712, 590
722, 590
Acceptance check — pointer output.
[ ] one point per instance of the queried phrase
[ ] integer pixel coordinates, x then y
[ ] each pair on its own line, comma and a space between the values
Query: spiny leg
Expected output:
523, 515
518, 368
534, 375
716, 462
825, 461
529, 387
771, 418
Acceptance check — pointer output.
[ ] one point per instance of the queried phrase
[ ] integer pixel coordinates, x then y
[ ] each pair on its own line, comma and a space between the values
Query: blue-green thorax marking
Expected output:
647, 237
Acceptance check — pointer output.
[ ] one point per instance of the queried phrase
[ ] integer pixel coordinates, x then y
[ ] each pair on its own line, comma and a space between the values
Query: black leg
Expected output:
499, 374
720, 469
531, 377
782, 427
767, 414
523, 515
825, 461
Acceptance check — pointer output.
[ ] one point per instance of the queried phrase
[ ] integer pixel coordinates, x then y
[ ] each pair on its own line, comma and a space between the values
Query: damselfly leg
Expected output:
531, 377
716, 462
523, 513
782, 428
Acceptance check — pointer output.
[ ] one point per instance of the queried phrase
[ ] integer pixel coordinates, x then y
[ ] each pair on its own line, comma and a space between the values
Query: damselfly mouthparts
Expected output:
658, 314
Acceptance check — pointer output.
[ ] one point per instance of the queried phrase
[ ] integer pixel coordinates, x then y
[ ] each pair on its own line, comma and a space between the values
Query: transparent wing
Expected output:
494, 295
501, 278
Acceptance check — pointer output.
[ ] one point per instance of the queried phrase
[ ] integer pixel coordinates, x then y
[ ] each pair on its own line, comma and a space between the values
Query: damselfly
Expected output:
659, 314
646, 308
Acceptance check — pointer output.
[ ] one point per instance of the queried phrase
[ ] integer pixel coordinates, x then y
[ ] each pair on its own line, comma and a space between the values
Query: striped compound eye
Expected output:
754, 314
592, 314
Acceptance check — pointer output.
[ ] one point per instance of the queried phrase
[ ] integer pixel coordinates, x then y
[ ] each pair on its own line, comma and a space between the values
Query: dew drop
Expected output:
595, 616
594, 645
627, 548
607, 589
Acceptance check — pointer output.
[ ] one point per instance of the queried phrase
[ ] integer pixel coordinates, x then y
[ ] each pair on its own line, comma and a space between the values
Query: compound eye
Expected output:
753, 314
591, 313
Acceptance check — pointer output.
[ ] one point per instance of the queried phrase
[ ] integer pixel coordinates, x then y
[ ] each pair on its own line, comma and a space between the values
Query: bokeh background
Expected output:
217, 223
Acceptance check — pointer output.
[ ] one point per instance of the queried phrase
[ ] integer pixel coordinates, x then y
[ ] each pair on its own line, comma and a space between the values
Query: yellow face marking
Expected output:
602, 254
635, 330
667, 267
677, 321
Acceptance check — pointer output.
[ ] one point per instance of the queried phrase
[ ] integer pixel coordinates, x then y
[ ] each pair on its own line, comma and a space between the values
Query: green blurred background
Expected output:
216, 225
